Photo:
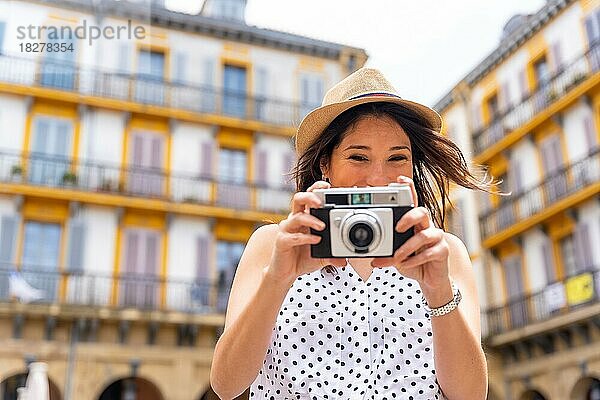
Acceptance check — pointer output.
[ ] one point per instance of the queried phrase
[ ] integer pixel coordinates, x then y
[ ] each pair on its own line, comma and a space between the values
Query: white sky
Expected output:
424, 47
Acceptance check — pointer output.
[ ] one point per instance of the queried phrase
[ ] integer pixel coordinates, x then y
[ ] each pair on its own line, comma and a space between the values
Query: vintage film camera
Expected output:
360, 221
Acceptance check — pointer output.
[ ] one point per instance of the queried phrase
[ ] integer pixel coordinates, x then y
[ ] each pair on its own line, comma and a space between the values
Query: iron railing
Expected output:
148, 90
555, 299
61, 172
561, 184
562, 82
47, 285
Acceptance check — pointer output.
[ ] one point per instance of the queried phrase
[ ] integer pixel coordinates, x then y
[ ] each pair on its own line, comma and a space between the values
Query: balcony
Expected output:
115, 185
565, 188
138, 93
557, 299
566, 80
85, 289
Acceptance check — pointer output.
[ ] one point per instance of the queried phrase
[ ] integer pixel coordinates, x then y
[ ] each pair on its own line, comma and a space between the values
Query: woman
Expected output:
404, 327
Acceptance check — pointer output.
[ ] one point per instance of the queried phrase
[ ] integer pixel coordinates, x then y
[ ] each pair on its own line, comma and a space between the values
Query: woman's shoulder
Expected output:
264, 236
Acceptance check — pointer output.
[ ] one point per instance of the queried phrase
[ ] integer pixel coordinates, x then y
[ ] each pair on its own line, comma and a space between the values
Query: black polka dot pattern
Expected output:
338, 337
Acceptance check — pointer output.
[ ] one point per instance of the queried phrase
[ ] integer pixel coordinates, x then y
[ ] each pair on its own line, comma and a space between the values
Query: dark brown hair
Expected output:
437, 161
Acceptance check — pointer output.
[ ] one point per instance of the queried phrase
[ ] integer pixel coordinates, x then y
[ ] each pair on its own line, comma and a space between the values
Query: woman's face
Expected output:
373, 153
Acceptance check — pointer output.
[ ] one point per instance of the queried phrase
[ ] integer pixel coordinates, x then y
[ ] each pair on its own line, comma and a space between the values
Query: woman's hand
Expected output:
429, 266
291, 253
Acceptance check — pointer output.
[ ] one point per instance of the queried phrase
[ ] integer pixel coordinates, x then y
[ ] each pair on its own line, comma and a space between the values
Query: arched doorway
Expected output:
210, 395
586, 389
532, 395
8, 387
131, 388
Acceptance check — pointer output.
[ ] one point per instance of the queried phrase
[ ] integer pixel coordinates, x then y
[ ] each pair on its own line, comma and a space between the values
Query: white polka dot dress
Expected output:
339, 337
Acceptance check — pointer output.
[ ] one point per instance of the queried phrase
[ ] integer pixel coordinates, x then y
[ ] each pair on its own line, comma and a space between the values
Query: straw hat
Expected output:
367, 85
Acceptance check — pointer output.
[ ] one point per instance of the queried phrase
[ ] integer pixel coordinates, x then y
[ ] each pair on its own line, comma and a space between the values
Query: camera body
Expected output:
359, 222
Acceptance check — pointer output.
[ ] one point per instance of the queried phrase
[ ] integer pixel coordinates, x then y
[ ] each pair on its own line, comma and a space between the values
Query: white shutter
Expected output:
206, 160
76, 246
125, 54
202, 267
180, 67
261, 164
556, 53
8, 240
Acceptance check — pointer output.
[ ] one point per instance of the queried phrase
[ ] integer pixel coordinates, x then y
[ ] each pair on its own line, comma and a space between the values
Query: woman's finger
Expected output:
319, 185
286, 240
295, 222
437, 252
424, 238
411, 184
417, 217
303, 199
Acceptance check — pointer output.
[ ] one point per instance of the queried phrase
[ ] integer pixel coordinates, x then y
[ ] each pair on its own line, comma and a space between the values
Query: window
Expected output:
555, 183
311, 92
592, 29
234, 86
232, 165
139, 268
542, 72
149, 85
151, 64
515, 290
50, 150
228, 258
232, 171
146, 157
41, 249
493, 107
58, 69
2, 28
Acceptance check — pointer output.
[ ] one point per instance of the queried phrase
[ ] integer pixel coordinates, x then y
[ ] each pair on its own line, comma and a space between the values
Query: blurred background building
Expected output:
132, 172
530, 113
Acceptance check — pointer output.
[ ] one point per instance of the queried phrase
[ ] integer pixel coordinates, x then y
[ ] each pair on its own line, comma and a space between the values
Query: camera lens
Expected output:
361, 235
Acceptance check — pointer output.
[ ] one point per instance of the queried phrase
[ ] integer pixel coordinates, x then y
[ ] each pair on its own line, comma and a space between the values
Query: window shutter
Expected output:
206, 160
137, 151
8, 240
583, 250
131, 251
516, 177
589, 29
476, 116
557, 56
505, 95
546, 250
76, 246
523, 84
124, 58
150, 267
590, 134
157, 151
514, 278
208, 76
180, 67
261, 166
202, 267
2, 25
261, 82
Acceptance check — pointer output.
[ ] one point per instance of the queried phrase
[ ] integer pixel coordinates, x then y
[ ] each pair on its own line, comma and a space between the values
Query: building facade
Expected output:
530, 114
133, 169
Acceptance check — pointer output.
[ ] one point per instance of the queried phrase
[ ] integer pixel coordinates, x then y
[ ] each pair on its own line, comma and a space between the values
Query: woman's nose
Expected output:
376, 176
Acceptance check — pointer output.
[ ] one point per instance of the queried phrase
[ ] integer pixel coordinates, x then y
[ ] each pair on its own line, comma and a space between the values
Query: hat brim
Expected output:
315, 122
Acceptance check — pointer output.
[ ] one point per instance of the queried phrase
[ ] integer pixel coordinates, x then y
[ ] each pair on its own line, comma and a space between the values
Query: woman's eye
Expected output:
398, 158
358, 158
